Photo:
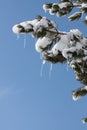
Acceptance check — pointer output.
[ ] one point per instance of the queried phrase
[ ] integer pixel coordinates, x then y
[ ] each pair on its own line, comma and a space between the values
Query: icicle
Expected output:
51, 66
41, 57
18, 36
67, 67
44, 61
41, 72
25, 41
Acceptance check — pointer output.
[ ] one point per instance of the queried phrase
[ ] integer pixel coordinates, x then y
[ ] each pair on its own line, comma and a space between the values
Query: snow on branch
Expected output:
84, 120
56, 46
65, 7
77, 94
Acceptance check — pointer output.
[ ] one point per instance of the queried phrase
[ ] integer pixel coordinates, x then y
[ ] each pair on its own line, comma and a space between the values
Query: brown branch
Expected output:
56, 32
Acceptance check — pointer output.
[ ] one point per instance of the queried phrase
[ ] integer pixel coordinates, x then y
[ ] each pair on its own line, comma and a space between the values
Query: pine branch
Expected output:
59, 47
56, 32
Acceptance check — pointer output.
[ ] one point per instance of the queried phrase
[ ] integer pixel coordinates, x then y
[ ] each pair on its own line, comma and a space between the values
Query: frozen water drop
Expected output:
44, 61
18, 36
25, 41
41, 57
51, 67
67, 66
41, 72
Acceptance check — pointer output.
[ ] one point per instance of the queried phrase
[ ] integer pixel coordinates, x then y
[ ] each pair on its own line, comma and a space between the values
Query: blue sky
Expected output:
27, 100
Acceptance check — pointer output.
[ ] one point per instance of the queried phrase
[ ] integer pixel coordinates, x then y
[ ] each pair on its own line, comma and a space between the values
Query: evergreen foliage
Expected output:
65, 7
56, 46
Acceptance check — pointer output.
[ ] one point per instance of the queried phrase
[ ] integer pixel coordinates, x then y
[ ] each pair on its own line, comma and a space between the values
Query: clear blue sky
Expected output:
27, 100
